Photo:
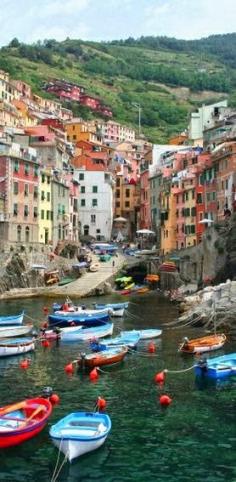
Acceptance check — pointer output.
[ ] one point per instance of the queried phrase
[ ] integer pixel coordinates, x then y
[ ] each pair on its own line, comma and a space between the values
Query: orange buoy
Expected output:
151, 347
101, 403
69, 369
93, 374
165, 400
54, 399
160, 377
24, 364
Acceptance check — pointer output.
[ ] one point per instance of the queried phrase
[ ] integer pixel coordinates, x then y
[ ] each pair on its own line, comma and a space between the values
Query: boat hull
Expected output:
81, 432
12, 331
75, 334
106, 357
12, 320
22, 429
204, 344
70, 319
16, 347
217, 368
144, 334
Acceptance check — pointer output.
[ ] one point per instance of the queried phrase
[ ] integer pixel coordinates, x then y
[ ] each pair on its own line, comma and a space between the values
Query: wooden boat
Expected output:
203, 344
77, 311
69, 319
94, 267
15, 330
219, 367
12, 319
144, 334
141, 290
21, 421
16, 346
80, 432
130, 340
117, 309
109, 356
152, 278
77, 334
128, 289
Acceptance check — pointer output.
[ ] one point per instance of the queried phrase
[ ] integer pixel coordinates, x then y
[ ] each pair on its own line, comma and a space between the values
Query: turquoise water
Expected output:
194, 439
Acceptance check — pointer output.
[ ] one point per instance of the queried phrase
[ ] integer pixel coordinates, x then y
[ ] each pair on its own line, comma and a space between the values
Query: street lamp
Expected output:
138, 106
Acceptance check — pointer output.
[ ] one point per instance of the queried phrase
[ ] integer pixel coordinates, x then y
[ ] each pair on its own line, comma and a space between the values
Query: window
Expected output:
177, 213
75, 205
117, 204
98, 231
36, 171
193, 211
127, 205
16, 166
127, 193
193, 193
95, 189
74, 137
82, 202
19, 233
26, 211
186, 196
48, 180
81, 176
199, 198
48, 215
27, 169
82, 189
48, 196
15, 209
26, 190
94, 202
42, 196
35, 212
42, 214
43, 178
86, 230
93, 218
15, 188
118, 193
118, 181
35, 192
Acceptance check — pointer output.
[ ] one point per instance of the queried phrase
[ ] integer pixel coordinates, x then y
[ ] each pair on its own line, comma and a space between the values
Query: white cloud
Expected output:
55, 8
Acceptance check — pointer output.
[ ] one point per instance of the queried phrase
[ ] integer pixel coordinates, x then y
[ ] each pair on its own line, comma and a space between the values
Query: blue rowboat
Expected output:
144, 334
130, 340
77, 319
83, 334
80, 432
12, 319
117, 309
218, 367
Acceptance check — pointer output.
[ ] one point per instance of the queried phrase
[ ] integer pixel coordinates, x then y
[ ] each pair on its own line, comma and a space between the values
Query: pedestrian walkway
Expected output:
88, 282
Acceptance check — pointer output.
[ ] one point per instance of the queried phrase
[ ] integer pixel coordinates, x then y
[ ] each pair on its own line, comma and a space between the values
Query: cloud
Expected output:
55, 8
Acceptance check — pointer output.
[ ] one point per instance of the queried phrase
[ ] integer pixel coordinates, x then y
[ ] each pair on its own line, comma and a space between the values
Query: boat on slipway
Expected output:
80, 432
77, 334
15, 330
12, 319
203, 344
16, 346
23, 420
218, 367
110, 356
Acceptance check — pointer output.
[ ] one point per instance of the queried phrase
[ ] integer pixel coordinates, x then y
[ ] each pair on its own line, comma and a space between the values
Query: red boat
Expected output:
23, 420
114, 354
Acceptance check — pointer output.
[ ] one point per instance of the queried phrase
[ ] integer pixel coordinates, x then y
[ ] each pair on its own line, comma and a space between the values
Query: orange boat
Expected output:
203, 344
108, 356
152, 278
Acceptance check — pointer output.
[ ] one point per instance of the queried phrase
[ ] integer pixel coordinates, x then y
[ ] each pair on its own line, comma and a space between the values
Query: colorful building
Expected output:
45, 207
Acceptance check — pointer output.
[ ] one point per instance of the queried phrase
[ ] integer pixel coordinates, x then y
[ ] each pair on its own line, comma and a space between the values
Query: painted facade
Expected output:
45, 207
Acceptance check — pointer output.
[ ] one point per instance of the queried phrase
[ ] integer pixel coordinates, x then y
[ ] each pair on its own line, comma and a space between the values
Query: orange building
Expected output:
79, 130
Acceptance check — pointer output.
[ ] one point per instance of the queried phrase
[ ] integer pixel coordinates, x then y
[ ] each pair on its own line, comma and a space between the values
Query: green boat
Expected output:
65, 281
105, 257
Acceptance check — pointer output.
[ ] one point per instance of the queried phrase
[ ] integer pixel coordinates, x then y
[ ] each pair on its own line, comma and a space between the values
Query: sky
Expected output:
32, 20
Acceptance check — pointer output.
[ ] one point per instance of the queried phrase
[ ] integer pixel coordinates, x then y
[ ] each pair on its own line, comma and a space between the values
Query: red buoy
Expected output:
24, 364
165, 400
93, 374
151, 347
160, 377
69, 369
54, 399
45, 343
101, 403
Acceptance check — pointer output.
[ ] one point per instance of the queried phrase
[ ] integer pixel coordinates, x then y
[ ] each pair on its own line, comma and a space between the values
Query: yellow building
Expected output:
190, 212
78, 130
45, 207
168, 219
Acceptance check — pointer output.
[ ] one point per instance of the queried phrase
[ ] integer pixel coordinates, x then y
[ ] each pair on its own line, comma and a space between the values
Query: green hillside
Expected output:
168, 78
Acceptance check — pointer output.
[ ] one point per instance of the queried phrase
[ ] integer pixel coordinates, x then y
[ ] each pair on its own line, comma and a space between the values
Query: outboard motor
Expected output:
47, 392
202, 364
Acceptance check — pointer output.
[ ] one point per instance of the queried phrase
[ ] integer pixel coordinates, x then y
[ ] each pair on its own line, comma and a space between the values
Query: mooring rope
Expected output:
57, 461
60, 468
166, 370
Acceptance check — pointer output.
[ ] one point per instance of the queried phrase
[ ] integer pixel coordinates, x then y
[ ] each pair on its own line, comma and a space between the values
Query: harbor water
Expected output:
194, 439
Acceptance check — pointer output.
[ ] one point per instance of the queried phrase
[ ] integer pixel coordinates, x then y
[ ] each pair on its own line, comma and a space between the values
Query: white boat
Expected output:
144, 334
81, 432
11, 331
16, 346
12, 319
75, 333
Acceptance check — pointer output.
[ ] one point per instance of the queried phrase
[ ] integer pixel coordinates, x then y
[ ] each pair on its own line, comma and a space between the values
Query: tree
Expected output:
14, 43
